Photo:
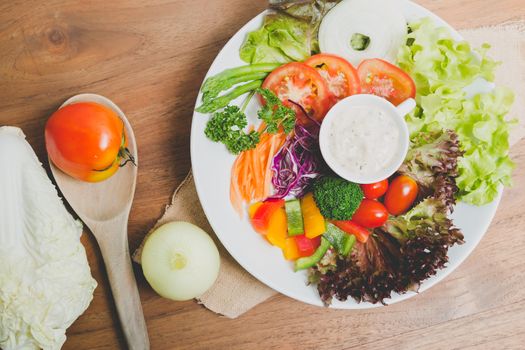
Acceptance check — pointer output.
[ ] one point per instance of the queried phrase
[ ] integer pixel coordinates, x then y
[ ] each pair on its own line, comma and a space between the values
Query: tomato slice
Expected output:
339, 74
298, 84
383, 79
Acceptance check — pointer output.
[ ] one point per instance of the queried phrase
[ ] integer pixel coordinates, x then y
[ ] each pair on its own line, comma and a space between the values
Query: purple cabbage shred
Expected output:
297, 164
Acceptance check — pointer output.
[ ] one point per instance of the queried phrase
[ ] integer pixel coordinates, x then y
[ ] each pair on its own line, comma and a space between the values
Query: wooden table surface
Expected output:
150, 58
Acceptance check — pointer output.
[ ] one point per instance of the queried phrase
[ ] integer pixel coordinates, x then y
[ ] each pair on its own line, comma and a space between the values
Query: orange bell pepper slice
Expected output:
264, 212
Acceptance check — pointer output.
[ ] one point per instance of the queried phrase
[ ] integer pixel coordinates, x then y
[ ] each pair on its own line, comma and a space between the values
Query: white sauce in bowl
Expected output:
363, 140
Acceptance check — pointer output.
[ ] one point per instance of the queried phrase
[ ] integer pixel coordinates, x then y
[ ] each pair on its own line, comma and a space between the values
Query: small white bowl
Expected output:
396, 113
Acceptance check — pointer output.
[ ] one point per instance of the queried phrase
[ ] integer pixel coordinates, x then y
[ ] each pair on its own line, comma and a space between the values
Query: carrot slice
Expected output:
251, 172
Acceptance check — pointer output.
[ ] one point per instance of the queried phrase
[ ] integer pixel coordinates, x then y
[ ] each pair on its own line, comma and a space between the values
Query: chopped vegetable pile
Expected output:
396, 258
408, 248
362, 241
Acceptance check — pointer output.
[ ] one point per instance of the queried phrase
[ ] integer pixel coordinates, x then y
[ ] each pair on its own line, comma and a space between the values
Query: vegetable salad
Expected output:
362, 241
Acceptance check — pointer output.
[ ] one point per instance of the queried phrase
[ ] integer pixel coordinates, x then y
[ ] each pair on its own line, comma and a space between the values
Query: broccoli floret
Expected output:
337, 198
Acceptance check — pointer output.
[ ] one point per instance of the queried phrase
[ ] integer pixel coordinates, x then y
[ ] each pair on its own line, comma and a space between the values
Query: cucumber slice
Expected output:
294, 217
340, 240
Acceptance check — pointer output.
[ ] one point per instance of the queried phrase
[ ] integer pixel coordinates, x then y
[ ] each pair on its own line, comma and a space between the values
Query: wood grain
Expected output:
150, 57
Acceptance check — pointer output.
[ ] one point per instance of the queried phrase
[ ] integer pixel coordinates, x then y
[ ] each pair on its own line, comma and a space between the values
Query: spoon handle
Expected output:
113, 243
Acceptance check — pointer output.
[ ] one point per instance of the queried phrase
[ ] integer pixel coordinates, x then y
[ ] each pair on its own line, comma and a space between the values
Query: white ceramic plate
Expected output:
212, 163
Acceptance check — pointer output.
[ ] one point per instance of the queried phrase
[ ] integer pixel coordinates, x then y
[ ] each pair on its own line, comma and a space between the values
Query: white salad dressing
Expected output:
363, 140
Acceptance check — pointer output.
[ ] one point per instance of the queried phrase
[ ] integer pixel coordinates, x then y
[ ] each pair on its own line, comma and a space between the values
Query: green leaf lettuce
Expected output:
281, 39
442, 68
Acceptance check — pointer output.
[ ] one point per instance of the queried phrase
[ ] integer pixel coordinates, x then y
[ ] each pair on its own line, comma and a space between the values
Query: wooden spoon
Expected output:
104, 208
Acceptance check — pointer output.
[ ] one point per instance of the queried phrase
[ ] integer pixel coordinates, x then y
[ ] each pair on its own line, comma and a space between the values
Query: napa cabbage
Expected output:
45, 279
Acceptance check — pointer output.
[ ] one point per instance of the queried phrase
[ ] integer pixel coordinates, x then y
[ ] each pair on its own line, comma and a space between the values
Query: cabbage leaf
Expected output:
45, 279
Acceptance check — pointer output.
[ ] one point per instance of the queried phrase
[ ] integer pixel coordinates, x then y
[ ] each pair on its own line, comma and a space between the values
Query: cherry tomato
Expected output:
87, 141
401, 194
297, 84
383, 79
339, 74
375, 190
370, 214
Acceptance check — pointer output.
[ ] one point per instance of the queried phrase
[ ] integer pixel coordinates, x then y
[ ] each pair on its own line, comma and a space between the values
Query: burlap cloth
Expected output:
236, 291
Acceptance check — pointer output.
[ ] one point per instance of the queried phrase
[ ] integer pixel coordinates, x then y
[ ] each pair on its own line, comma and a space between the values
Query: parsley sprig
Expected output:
227, 126
275, 114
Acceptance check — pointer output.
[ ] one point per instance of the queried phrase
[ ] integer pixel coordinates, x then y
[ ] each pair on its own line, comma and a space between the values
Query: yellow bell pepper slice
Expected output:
277, 229
314, 223
290, 250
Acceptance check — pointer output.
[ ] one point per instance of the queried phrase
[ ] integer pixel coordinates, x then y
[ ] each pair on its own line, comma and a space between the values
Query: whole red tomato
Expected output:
401, 193
87, 141
375, 190
370, 214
